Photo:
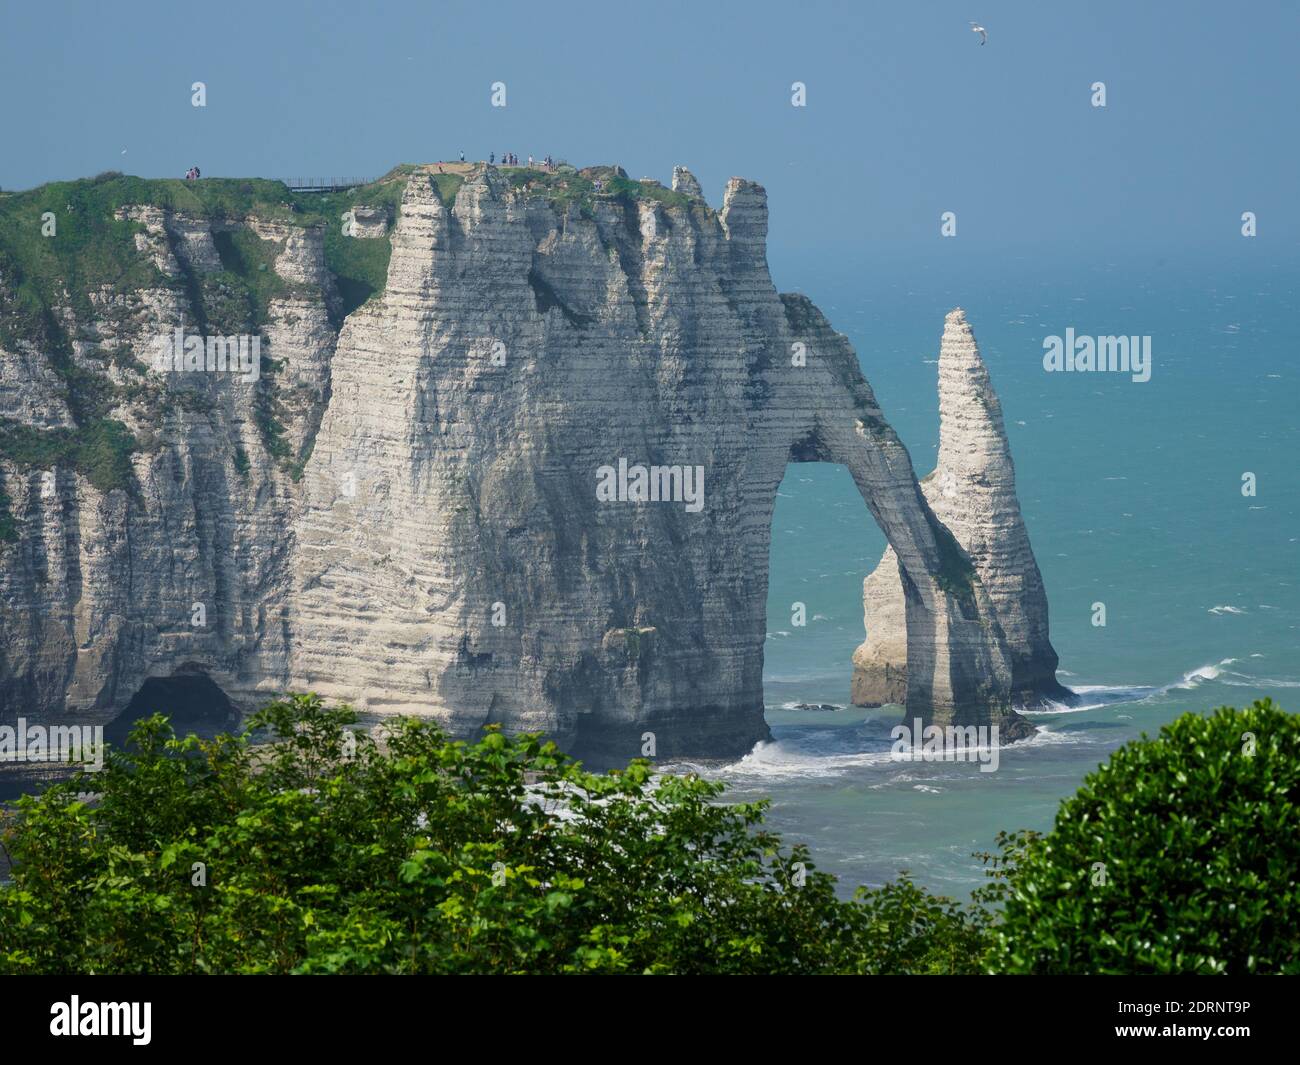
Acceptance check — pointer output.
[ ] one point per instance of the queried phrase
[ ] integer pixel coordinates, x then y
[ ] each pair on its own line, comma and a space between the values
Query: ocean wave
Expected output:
821, 753
1226, 610
1047, 736
786, 757
800, 752
1201, 674
1099, 696
1095, 697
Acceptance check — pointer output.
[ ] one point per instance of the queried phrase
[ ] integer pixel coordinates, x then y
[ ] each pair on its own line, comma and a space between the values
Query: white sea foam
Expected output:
788, 758
801, 753
1094, 697
1050, 737
1226, 610
795, 704
1200, 675
1098, 696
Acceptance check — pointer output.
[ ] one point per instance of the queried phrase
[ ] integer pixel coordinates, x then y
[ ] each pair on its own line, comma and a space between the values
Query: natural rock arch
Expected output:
647, 333
434, 544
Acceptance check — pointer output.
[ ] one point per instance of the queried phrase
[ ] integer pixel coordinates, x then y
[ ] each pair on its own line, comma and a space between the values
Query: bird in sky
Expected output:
975, 27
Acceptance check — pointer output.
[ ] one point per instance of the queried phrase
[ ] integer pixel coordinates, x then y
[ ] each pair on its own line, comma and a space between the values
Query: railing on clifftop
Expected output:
334, 184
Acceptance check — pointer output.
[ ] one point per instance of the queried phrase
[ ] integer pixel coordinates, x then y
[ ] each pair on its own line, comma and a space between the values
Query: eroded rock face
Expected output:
973, 492
440, 547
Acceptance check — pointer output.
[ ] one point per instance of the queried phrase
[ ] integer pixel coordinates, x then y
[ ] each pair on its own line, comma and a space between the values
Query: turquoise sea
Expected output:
1132, 493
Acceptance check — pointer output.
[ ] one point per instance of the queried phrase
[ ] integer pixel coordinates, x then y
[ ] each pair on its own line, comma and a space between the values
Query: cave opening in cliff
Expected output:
192, 701
824, 542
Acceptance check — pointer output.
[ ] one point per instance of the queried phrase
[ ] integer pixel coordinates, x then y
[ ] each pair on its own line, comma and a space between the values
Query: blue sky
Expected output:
907, 117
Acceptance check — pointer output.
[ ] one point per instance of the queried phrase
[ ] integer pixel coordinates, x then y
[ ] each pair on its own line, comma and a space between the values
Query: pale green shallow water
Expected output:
1132, 497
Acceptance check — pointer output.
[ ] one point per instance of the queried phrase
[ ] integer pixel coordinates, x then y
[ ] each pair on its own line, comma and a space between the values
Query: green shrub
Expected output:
8, 526
323, 854
322, 851
1179, 855
101, 450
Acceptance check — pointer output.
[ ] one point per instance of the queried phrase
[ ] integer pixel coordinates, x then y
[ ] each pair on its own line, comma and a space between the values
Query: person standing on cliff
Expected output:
492, 158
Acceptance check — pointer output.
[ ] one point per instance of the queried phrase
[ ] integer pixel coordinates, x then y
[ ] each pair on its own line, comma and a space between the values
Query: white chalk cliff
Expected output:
429, 539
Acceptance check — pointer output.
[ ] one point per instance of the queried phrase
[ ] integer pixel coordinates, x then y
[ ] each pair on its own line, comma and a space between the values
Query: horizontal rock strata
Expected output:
402, 511
972, 490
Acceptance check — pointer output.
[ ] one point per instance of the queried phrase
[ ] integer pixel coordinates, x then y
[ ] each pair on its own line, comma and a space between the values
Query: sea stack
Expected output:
972, 490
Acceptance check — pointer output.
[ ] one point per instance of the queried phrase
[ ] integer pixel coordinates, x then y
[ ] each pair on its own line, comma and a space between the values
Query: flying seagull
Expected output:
975, 27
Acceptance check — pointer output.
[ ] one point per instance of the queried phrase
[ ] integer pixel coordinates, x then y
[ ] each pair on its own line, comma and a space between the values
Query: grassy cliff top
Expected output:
93, 248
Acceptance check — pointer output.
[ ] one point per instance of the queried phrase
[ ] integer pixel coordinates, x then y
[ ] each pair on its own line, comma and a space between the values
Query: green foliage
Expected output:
447, 185
324, 853
248, 275
101, 450
267, 408
1198, 836
360, 267
567, 188
8, 527
956, 574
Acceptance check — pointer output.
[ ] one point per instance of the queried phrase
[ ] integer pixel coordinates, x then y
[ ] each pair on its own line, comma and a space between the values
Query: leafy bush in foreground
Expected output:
1179, 855
321, 853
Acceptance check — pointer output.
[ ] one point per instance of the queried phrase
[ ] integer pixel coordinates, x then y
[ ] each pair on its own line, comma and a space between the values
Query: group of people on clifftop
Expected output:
510, 159
192, 174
